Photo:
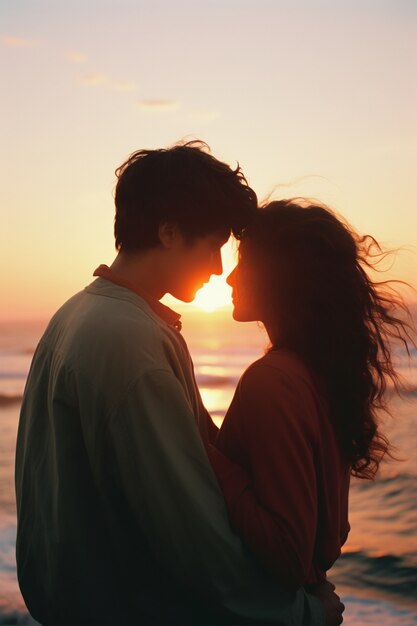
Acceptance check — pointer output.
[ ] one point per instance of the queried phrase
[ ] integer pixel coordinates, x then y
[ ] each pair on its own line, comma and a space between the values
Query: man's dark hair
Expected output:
184, 185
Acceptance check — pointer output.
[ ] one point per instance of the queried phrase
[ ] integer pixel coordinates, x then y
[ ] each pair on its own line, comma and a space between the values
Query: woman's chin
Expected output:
240, 316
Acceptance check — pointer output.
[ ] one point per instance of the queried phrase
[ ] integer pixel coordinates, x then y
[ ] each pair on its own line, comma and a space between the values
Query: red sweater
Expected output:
278, 463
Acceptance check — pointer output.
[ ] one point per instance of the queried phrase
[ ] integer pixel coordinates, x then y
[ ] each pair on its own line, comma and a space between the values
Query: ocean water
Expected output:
376, 576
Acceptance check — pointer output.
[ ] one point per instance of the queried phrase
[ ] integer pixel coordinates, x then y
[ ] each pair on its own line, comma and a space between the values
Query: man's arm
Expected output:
210, 431
169, 483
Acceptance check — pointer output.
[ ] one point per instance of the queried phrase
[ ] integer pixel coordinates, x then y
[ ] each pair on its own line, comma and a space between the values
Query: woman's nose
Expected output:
231, 278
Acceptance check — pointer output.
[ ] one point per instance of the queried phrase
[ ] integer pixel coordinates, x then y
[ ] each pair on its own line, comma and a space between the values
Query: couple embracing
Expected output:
133, 508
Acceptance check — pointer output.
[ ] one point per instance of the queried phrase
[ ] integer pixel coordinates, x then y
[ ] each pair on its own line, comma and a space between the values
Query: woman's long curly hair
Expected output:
313, 277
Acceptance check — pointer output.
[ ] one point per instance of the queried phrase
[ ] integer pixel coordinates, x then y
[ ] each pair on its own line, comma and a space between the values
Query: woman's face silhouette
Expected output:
247, 294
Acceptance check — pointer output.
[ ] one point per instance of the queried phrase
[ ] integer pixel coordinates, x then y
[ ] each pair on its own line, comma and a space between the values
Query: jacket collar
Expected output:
164, 312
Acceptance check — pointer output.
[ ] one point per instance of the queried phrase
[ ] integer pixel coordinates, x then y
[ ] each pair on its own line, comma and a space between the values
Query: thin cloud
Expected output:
16, 42
206, 115
123, 85
76, 57
94, 79
158, 105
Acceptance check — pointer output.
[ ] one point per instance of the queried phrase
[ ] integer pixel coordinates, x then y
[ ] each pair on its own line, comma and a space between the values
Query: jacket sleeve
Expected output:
168, 481
273, 506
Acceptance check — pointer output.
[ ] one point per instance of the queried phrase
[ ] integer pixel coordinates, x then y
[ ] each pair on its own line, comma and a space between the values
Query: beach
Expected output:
376, 575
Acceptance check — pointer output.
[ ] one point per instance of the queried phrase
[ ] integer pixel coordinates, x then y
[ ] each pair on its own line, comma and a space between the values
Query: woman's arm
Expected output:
273, 503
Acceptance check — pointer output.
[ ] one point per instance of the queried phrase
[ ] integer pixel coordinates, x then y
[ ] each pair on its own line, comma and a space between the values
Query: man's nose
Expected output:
217, 264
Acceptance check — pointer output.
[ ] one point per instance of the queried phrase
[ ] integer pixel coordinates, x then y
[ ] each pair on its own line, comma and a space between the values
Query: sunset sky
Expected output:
312, 97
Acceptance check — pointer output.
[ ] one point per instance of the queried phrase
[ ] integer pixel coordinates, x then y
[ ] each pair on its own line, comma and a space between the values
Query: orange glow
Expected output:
57, 226
214, 295
217, 294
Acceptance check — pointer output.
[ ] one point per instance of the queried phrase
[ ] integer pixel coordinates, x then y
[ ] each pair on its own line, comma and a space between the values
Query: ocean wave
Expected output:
8, 400
205, 380
385, 573
375, 611
12, 375
8, 351
398, 477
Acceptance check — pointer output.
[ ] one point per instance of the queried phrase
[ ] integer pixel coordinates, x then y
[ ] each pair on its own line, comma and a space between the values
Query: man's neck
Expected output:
141, 270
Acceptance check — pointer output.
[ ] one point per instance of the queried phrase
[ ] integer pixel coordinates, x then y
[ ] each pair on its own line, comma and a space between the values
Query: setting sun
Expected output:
214, 295
217, 293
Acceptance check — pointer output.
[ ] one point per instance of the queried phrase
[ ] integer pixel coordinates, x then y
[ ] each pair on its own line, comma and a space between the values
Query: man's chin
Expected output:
186, 297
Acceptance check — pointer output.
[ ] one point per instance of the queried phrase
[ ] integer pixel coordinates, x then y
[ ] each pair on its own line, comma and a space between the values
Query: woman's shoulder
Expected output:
282, 374
278, 389
278, 365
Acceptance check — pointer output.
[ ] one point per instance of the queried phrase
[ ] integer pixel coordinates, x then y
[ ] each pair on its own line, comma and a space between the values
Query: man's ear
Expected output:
169, 234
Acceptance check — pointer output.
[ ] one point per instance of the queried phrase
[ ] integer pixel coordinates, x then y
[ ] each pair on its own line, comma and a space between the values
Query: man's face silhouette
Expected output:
194, 263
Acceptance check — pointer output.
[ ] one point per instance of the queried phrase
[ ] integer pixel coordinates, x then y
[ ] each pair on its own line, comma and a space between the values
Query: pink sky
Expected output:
316, 98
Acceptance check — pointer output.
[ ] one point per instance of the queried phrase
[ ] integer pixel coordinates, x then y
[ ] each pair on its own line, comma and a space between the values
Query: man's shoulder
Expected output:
101, 345
90, 327
106, 313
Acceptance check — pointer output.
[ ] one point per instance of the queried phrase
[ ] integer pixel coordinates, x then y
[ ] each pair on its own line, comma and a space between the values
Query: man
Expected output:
120, 518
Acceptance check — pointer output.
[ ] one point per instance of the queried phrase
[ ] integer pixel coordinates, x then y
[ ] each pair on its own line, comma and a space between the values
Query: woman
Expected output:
304, 416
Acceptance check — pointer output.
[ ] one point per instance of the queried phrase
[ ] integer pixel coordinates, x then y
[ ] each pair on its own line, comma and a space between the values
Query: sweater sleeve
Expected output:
168, 481
273, 503
211, 428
